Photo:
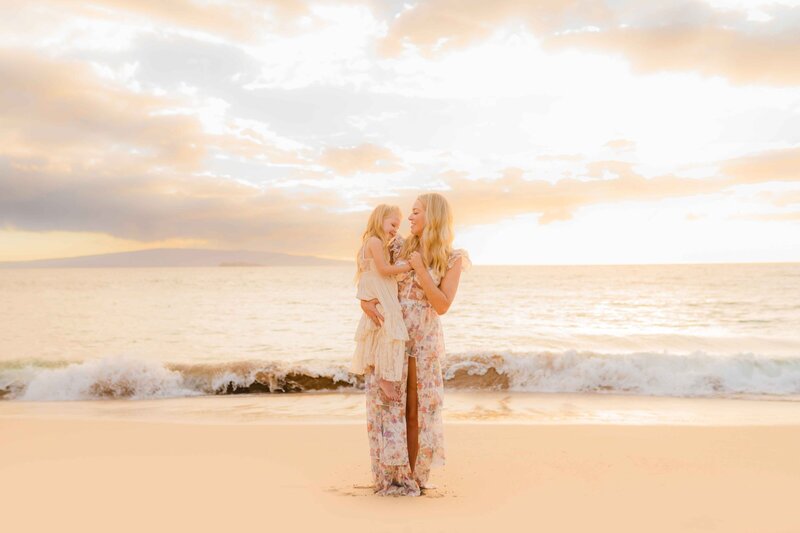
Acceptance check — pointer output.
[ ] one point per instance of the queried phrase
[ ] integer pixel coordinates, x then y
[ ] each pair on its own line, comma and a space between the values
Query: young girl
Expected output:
380, 347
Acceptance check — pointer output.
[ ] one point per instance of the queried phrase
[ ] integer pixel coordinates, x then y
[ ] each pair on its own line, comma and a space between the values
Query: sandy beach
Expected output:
99, 474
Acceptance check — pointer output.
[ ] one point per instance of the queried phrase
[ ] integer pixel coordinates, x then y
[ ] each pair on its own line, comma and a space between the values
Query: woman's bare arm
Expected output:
375, 246
440, 297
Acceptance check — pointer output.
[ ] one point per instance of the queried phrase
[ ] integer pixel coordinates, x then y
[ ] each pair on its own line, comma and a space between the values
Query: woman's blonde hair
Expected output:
436, 242
375, 229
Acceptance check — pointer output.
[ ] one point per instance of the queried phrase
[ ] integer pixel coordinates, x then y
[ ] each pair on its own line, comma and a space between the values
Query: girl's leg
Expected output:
412, 423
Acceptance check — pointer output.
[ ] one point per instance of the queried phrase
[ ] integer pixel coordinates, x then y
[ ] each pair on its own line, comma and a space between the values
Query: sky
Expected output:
560, 131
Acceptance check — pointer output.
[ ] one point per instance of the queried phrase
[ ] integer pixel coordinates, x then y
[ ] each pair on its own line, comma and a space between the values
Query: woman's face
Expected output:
417, 218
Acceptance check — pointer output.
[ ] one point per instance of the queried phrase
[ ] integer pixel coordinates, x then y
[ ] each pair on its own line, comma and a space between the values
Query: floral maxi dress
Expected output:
386, 421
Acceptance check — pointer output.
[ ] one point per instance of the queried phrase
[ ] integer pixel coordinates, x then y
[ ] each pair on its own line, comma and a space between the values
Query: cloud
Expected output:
80, 154
315, 220
560, 157
741, 57
484, 201
440, 25
620, 145
147, 208
180, 136
774, 165
366, 157
781, 199
688, 36
239, 20
770, 217
60, 110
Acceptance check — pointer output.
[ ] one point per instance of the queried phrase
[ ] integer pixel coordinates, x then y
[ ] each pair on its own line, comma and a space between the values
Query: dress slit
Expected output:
412, 385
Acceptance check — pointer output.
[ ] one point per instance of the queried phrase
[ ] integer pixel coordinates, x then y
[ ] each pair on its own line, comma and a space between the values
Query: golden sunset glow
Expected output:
561, 132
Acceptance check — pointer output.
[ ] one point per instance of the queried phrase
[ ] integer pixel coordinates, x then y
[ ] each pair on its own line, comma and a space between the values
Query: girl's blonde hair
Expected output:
437, 236
375, 229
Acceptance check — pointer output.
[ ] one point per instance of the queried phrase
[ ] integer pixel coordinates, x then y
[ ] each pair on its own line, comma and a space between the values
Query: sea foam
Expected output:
646, 373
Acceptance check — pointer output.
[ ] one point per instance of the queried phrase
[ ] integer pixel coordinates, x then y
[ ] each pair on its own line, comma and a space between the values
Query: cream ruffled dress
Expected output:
380, 347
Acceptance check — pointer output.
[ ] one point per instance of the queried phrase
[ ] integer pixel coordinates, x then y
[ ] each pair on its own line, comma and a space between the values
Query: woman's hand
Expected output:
415, 260
441, 296
370, 307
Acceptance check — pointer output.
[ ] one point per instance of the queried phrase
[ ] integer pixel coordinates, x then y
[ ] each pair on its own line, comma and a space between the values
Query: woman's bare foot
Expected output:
389, 389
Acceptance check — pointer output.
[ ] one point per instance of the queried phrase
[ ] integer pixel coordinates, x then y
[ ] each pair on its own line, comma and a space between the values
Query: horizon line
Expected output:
350, 260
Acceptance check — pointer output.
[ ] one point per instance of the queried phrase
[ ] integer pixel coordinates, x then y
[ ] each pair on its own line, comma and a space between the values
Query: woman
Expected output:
406, 436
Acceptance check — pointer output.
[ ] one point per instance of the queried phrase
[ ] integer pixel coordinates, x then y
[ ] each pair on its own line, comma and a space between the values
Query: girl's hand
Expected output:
415, 260
407, 268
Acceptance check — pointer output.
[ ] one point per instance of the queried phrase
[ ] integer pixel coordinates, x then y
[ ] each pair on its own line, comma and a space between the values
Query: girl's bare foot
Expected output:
388, 388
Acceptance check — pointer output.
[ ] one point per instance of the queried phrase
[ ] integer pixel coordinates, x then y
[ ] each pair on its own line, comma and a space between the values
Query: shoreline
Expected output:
463, 407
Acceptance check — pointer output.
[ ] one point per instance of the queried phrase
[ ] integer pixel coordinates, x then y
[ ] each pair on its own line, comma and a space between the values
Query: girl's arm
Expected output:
375, 247
440, 297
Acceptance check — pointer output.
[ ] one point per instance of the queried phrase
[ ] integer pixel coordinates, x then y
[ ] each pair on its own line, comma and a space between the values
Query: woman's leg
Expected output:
412, 423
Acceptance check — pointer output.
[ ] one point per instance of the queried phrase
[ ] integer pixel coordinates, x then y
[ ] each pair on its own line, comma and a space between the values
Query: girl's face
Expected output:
417, 218
391, 225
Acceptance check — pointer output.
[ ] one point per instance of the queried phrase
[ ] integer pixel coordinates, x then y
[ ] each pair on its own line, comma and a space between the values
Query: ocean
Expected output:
673, 331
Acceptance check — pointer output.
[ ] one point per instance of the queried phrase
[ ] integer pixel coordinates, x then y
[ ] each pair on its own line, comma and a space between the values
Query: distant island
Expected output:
176, 257
240, 264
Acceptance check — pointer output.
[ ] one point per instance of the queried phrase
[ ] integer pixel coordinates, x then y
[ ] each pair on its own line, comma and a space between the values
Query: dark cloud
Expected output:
151, 208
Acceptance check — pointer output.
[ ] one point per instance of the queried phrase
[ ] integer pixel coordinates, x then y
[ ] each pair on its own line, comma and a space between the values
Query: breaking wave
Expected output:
647, 373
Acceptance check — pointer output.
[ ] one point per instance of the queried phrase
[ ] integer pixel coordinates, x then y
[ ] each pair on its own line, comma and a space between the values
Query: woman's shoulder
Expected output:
455, 255
395, 246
